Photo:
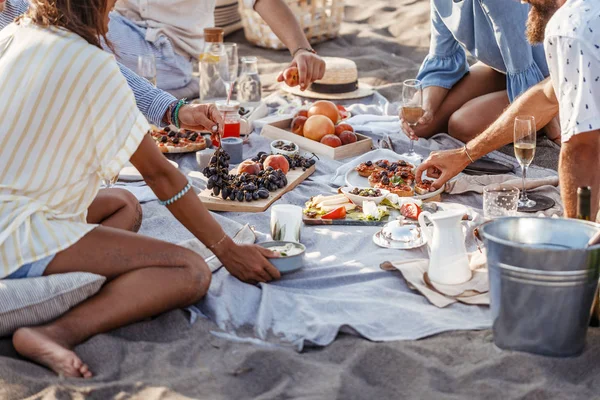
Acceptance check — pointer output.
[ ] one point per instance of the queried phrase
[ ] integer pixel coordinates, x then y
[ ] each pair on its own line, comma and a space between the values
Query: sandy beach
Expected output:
167, 358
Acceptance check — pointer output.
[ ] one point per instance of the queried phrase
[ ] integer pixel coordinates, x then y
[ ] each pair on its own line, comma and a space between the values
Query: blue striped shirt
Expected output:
152, 102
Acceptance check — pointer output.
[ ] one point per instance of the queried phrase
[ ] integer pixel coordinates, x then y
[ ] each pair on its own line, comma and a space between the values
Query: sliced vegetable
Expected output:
410, 211
338, 213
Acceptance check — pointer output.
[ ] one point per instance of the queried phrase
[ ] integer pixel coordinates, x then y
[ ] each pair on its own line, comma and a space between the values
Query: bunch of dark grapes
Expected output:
241, 187
295, 161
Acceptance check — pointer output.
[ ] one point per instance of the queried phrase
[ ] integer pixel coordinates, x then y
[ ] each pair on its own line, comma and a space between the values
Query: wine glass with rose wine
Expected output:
412, 109
525, 144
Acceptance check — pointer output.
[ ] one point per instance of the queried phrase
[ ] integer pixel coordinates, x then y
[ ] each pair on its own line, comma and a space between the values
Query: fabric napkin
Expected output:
244, 236
475, 291
476, 183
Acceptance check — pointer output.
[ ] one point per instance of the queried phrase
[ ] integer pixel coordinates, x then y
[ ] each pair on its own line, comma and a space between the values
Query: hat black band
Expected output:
334, 89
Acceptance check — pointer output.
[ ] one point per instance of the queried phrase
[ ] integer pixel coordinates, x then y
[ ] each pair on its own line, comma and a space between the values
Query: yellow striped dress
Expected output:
67, 120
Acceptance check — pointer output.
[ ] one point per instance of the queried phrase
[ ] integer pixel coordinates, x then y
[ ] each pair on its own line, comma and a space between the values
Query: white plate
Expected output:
129, 173
353, 179
358, 200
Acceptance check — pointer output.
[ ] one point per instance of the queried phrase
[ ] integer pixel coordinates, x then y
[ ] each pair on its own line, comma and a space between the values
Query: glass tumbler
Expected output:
500, 201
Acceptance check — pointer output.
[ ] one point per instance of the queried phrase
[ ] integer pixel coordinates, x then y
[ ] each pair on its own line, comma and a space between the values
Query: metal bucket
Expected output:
542, 283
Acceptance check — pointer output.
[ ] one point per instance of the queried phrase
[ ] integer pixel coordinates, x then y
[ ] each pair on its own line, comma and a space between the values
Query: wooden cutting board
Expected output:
345, 221
294, 177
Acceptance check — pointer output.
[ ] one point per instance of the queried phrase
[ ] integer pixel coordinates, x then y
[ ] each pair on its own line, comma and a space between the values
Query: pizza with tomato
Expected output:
170, 140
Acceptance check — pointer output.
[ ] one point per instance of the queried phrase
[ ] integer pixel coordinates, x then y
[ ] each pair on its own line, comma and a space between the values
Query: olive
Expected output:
383, 173
404, 175
368, 163
172, 133
193, 137
385, 180
163, 139
167, 129
175, 140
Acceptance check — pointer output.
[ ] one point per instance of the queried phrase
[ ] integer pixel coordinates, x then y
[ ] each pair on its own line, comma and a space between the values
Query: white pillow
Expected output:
34, 301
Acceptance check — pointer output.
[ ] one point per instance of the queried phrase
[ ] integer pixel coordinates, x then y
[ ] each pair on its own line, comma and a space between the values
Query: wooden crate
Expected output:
281, 130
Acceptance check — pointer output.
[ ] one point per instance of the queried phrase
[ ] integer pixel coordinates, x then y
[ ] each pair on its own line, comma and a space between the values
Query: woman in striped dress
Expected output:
68, 121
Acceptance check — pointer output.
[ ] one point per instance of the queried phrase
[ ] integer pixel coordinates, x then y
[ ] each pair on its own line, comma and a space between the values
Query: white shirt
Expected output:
68, 120
181, 21
572, 47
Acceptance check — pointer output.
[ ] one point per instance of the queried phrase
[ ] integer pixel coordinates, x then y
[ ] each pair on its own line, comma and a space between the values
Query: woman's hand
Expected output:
201, 117
412, 132
248, 263
310, 66
443, 165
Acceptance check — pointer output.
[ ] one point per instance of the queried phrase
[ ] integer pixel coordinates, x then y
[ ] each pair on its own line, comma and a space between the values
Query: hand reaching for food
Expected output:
304, 69
202, 117
443, 165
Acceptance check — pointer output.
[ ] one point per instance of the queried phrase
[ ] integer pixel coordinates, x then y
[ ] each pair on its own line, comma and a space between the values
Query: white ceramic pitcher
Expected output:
448, 260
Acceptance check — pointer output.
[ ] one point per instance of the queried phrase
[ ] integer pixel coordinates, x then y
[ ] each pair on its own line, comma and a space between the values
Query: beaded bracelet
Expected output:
175, 116
177, 196
170, 110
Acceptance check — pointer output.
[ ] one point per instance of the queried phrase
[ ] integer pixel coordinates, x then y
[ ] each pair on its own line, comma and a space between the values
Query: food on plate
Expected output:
348, 137
331, 141
249, 167
291, 76
298, 125
171, 140
318, 126
294, 161
339, 128
285, 146
287, 250
407, 176
321, 205
338, 213
424, 186
366, 192
343, 112
240, 187
325, 108
367, 168
302, 113
410, 211
277, 162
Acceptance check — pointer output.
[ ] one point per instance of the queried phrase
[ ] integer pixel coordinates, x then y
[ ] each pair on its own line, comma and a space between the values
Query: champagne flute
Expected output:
147, 68
412, 109
228, 67
525, 142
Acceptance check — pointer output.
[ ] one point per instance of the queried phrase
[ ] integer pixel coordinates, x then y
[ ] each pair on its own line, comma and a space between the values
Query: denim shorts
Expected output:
32, 270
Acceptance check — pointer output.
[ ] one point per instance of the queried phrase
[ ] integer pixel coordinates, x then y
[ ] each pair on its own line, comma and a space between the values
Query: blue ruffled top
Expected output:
492, 31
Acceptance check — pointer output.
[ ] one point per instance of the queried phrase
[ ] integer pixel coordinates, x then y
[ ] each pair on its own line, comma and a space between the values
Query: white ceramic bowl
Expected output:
275, 150
358, 200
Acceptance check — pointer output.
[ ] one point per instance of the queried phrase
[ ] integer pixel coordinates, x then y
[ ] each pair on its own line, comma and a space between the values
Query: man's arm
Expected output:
152, 102
282, 21
539, 101
579, 166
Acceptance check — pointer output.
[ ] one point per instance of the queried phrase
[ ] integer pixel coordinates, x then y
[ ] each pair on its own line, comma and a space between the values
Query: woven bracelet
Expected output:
175, 116
177, 196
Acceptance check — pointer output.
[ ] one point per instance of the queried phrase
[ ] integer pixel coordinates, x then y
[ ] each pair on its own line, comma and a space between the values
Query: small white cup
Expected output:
203, 158
286, 222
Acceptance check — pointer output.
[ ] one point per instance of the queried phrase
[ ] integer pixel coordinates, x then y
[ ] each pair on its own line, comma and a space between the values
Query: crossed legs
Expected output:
145, 277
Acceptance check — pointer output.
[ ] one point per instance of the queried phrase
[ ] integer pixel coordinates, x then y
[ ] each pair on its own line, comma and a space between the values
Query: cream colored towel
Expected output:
475, 291
475, 183
243, 236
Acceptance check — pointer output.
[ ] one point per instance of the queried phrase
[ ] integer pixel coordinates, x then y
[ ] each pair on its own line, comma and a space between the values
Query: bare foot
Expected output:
36, 345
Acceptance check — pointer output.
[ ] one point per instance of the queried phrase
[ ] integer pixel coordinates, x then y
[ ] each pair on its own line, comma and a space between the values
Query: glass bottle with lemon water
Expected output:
211, 85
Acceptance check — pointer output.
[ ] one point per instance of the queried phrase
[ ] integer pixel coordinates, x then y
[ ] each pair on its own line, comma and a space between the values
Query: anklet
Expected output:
177, 196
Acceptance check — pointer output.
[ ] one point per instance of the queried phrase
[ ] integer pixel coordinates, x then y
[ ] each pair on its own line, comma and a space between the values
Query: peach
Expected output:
348, 137
291, 77
277, 162
298, 125
302, 113
342, 128
326, 108
331, 141
318, 126
250, 167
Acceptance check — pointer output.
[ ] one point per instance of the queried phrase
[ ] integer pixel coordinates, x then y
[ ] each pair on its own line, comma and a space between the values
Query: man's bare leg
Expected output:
116, 208
145, 277
480, 80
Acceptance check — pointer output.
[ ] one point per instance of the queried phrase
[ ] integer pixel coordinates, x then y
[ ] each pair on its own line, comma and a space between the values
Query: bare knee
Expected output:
131, 208
197, 278
459, 128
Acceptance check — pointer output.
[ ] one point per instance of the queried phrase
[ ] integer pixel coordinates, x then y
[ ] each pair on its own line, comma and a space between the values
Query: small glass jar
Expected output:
231, 116
249, 86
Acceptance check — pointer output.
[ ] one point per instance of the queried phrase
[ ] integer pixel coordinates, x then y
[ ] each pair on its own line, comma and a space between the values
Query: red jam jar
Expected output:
231, 116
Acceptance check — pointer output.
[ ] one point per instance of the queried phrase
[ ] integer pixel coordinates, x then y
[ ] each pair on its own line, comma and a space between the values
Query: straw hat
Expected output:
339, 83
